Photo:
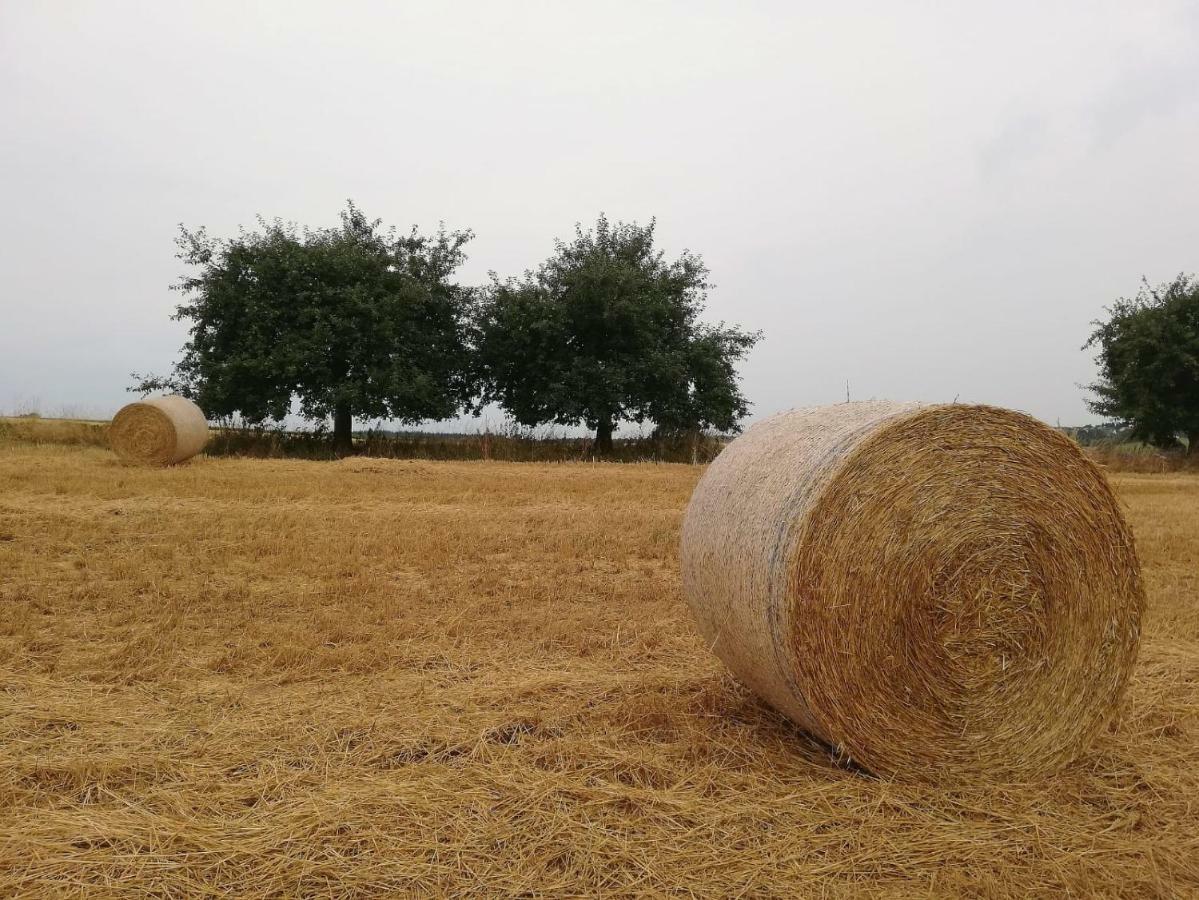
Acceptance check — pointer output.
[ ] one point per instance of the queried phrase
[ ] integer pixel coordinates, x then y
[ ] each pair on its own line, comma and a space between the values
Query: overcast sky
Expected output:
926, 201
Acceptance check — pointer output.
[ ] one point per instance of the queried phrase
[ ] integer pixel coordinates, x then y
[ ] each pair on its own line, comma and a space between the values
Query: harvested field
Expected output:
271, 678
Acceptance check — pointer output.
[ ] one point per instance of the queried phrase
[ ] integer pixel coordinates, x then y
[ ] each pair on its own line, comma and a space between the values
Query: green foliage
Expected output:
607, 330
1149, 364
348, 321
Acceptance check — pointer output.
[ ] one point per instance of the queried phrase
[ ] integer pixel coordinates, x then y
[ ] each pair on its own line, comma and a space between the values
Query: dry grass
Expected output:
277, 678
1142, 458
65, 432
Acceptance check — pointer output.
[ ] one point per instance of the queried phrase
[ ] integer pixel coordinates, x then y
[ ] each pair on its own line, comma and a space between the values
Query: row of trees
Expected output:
361, 321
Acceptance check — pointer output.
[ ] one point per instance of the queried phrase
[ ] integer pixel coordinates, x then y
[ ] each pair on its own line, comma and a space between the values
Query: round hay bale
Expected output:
158, 431
928, 590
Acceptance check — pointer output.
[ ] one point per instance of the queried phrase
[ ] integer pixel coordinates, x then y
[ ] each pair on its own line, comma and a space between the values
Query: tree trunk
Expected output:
343, 430
603, 438
1193, 444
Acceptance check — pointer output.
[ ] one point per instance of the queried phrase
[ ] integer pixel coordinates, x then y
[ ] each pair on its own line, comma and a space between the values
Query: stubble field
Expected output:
281, 678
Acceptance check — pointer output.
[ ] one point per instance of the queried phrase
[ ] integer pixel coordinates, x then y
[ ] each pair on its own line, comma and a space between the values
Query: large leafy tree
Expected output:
607, 330
1149, 364
349, 321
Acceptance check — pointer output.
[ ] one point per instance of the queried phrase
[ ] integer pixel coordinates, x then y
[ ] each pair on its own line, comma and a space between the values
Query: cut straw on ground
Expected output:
279, 678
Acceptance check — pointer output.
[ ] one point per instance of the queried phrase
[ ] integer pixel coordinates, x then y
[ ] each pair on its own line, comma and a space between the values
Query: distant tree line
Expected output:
363, 321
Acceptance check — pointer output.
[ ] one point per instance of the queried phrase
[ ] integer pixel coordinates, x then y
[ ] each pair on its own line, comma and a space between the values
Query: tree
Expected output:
349, 321
606, 330
1149, 364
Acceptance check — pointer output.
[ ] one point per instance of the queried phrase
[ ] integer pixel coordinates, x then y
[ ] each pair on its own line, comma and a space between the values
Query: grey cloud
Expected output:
899, 197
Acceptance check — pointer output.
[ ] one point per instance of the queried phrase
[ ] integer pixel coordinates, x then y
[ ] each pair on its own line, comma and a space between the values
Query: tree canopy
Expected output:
1149, 364
607, 330
350, 320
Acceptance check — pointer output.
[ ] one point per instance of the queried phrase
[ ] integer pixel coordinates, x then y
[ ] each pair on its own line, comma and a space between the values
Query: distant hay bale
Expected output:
928, 590
158, 431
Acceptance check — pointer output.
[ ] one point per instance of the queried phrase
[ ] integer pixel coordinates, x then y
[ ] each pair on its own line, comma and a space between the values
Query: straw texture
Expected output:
929, 590
158, 431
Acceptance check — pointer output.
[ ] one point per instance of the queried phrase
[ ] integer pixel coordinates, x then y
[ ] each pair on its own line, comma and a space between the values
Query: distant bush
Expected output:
268, 442
1105, 433
1114, 448
278, 443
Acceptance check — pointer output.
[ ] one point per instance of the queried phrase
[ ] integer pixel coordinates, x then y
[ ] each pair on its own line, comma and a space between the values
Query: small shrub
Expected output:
511, 446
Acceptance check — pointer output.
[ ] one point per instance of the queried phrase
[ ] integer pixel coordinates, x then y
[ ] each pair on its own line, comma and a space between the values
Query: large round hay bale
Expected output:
158, 431
928, 590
